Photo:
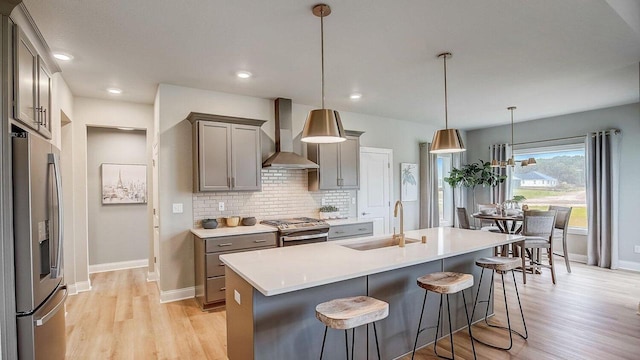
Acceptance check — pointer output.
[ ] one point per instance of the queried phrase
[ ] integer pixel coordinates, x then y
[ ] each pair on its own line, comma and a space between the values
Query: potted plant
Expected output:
329, 212
474, 174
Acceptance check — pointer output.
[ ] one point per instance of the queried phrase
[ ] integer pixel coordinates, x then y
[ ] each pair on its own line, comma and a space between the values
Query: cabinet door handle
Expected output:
227, 244
223, 289
229, 182
339, 232
44, 112
221, 264
362, 229
259, 241
233, 182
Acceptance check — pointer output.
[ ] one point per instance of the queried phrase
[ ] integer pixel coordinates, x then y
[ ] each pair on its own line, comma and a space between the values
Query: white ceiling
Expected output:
548, 57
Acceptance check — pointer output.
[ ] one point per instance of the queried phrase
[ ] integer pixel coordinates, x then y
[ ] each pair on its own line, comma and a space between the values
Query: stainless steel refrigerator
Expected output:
38, 240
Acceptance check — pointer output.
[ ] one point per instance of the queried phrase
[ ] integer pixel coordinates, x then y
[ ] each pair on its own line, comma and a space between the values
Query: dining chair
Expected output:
488, 225
537, 229
463, 218
562, 223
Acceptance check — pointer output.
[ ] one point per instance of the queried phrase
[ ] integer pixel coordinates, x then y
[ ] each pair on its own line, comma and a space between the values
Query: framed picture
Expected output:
124, 184
408, 182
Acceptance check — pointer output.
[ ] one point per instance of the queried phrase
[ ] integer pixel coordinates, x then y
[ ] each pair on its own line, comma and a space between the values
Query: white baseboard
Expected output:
121, 265
152, 276
629, 265
177, 295
79, 287
578, 258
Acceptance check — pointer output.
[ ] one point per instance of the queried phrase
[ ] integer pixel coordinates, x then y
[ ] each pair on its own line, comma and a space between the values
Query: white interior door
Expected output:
374, 201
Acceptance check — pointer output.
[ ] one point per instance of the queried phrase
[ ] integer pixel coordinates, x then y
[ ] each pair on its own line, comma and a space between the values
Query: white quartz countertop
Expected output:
227, 231
285, 269
349, 221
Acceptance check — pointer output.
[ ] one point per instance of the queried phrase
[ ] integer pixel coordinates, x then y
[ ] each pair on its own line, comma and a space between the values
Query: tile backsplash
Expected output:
284, 194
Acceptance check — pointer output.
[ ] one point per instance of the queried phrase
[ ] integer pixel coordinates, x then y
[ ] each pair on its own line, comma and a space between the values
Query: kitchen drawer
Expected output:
215, 266
350, 231
239, 242
215, 289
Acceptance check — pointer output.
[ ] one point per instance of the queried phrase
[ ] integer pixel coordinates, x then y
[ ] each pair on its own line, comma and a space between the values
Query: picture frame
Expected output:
123, 184
408, 182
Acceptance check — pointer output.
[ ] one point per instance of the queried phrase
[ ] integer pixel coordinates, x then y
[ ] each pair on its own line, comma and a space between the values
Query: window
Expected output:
558, 179
445, 193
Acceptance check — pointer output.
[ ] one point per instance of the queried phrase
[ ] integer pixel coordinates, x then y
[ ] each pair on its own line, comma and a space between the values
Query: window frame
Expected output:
532, 150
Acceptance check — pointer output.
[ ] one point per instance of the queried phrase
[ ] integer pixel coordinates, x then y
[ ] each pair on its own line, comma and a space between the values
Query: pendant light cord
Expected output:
511, 129
446, 110
322, 49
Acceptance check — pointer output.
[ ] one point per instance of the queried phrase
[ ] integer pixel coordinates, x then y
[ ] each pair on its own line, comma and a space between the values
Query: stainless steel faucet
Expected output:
400, 236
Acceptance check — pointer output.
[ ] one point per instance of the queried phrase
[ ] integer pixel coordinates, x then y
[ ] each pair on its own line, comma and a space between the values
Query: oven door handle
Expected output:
305, 237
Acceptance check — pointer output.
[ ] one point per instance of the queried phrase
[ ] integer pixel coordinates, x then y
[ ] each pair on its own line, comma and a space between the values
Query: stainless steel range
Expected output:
299, 231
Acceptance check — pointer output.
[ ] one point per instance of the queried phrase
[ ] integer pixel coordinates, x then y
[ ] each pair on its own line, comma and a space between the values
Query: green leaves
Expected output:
474, 174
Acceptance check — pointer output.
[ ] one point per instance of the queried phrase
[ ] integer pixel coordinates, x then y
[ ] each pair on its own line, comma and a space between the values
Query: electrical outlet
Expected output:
353, 201
221, 206
236, 296
636, 249
324, 201
177, 209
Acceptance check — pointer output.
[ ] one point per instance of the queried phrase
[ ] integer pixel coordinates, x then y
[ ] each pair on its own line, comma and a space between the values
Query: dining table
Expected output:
502, 221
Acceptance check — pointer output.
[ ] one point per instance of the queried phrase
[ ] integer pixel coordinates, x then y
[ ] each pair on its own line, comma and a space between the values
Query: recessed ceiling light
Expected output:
355, 96
243, 74
114, 91
125, 128
62, 56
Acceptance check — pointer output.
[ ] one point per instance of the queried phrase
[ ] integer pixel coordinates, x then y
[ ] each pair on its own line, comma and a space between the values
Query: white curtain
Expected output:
429, 214
459, 193
500, 152
603, 158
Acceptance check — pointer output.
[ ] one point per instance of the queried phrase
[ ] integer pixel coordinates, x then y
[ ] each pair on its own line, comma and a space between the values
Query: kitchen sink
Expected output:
378, 243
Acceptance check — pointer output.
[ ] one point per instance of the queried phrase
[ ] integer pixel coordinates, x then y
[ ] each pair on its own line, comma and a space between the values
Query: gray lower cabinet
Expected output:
226, 153
341, 232
209, 270
339, 164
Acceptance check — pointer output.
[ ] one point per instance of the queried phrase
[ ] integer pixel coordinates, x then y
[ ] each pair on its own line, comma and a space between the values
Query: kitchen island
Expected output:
271, 294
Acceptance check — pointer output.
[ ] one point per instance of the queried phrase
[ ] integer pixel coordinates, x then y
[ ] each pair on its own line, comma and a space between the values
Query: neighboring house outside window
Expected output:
558, 178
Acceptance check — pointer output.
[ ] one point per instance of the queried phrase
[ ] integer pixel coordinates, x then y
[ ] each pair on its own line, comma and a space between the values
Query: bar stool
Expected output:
349, 313
445, 283
500, 265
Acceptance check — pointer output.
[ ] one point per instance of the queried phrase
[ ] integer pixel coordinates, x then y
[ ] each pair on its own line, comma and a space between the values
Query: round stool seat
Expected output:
446, 282
348, 313
499, 263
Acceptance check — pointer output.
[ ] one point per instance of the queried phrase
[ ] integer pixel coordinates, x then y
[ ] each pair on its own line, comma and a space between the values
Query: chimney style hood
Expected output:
285, 158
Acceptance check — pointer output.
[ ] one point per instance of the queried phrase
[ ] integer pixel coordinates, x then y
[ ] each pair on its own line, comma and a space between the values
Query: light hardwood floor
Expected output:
589, 314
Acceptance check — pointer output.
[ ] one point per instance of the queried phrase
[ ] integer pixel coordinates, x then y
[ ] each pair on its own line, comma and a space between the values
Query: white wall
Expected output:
175, 167
102, 113
625, 118
117, 232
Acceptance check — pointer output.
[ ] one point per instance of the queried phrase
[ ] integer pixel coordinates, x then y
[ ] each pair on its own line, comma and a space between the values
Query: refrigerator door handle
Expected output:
43, 320
56, 269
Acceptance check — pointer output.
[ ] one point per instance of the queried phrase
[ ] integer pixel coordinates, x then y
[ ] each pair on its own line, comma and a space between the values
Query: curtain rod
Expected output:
615, 131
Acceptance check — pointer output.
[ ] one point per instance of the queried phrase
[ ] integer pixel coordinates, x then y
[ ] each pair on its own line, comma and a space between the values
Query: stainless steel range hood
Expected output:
285, 158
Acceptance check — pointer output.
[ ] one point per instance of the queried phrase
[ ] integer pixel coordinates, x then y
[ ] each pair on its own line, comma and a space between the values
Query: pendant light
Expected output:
446, 140
323, 125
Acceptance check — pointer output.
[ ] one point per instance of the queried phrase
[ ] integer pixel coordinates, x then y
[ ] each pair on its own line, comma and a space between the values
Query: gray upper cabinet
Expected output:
32, 86
339, 164
43, 110
227, 153
25, 62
